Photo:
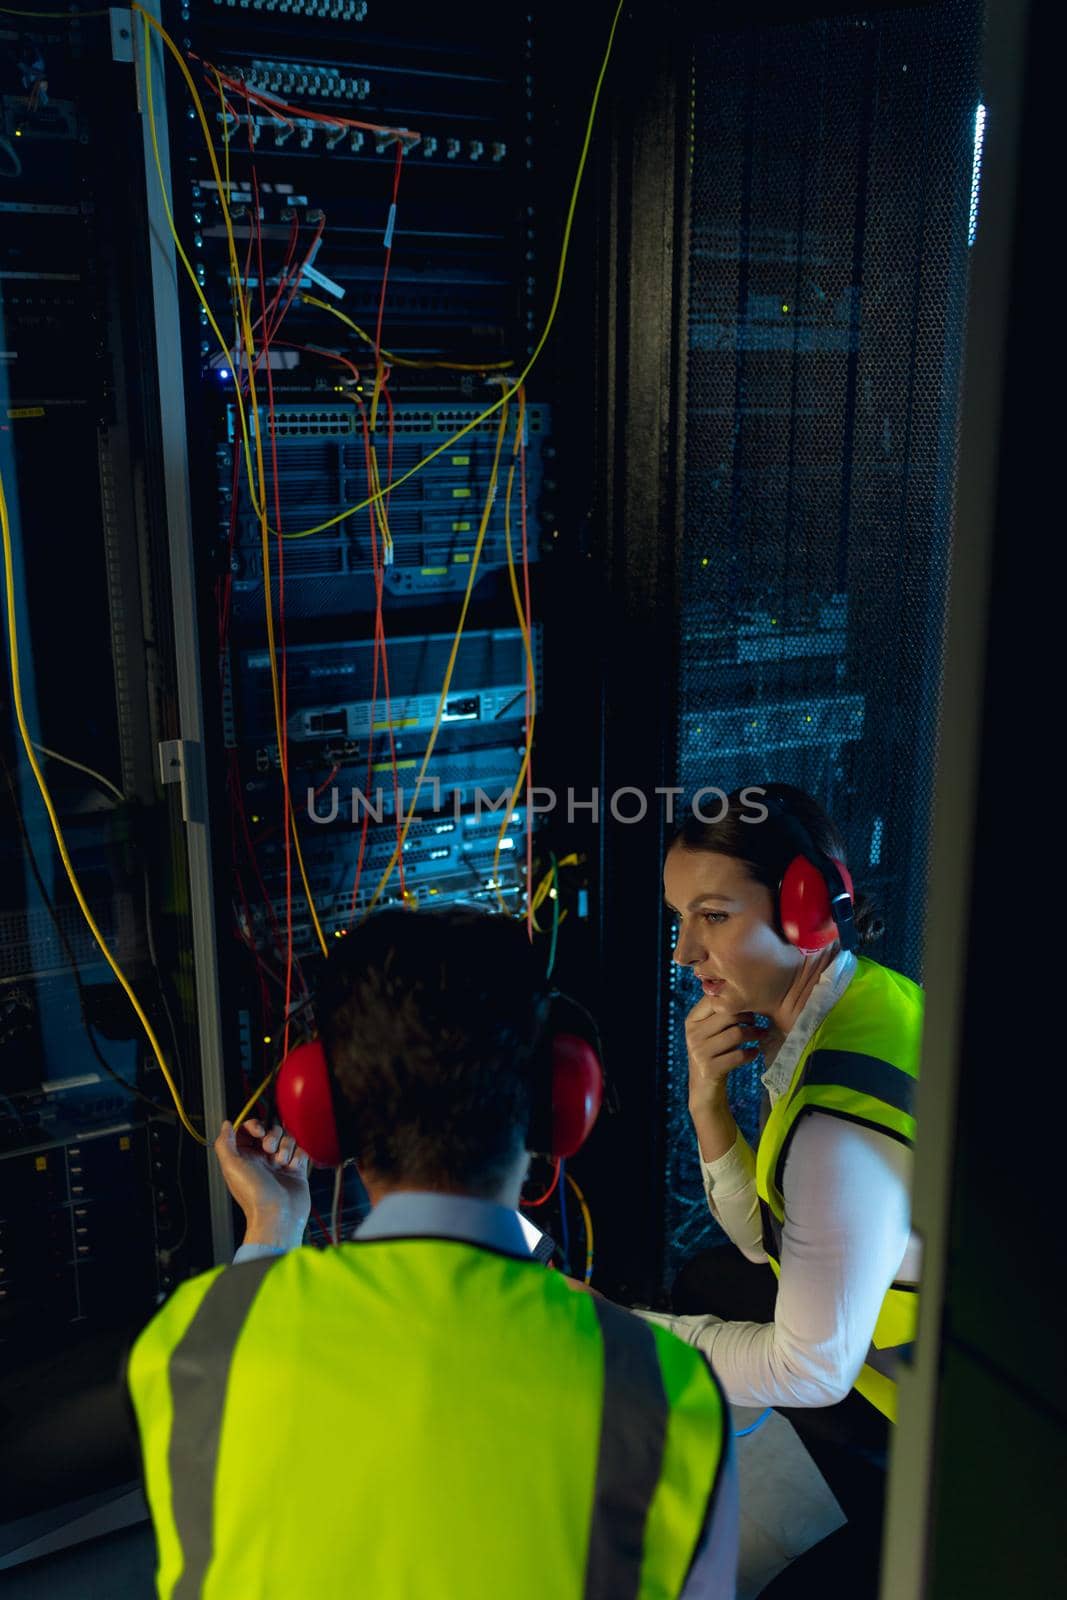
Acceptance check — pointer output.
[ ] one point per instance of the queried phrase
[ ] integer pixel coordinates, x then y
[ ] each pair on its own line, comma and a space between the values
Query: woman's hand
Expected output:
267, 1174
718, 1043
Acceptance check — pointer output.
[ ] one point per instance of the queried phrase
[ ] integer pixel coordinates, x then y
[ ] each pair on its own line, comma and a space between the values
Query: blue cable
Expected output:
554, 891
760, 1420
565, 1232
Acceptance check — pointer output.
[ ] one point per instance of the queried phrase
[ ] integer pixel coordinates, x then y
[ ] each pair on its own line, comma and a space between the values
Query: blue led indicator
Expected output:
976, 173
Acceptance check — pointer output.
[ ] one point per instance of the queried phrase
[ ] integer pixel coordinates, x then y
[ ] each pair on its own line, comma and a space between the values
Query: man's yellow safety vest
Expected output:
860, 1064
419, 1419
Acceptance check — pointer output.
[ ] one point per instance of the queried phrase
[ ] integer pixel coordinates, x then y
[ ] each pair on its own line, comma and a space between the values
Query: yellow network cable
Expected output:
544, 887
476, 555
375, 476
392, 360
530, 679
383, 515
246, 1109
57, 830
225, 130
150, 22
378, 493
350, 511
587, 1220
248, 344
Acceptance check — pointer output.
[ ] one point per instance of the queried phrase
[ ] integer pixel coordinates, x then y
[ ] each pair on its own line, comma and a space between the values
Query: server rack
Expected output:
390, 200
463, 224
783, 431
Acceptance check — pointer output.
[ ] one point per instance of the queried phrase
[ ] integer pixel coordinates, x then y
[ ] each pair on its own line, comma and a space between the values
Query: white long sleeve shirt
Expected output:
845, 1239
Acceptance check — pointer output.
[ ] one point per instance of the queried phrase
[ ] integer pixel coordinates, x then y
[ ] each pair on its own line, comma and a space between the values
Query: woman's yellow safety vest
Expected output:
860, 1064
419, 1419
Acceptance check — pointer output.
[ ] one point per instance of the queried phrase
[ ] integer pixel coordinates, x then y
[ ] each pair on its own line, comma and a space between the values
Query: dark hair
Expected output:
765, 847
431, 1021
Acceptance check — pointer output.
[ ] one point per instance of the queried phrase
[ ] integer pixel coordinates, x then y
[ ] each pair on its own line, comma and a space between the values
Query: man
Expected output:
425, 1413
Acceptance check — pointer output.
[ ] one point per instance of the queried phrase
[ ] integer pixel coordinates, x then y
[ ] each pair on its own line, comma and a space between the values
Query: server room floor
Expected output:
785, 1509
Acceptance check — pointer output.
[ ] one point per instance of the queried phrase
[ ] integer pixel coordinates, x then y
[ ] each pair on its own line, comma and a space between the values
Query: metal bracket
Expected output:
121, 33
172, 767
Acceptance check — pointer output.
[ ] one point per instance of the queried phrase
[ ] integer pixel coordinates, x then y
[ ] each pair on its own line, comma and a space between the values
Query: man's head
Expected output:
431, 1021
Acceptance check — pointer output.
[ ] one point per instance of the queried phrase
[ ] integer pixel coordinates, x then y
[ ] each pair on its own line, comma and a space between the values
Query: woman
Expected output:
808, 1316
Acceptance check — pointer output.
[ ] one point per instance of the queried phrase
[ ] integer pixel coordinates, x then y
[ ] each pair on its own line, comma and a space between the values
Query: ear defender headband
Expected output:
568, 1090
815, 895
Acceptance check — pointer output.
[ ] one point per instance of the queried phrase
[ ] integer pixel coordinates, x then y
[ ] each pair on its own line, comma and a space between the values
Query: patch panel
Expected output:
326, 10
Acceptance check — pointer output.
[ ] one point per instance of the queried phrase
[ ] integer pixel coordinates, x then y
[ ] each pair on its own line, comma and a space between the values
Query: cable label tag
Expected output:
311, 274
389, 226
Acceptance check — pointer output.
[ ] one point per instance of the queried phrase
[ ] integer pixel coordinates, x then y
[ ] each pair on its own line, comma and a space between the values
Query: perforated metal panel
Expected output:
832, 171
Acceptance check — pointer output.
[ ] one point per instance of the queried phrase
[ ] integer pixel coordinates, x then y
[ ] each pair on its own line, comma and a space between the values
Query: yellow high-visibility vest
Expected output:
860, 1064
419, 1419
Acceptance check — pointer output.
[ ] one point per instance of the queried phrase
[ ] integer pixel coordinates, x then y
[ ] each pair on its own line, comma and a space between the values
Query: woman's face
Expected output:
727, 936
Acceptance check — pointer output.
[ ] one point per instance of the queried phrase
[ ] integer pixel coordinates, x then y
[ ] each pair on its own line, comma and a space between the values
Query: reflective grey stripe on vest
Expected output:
199, 1371
849, 1069
868, 1075
889, 1361
633, 1431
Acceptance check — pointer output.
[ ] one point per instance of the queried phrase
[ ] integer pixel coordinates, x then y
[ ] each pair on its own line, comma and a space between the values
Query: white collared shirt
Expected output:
844, 1240
825, 995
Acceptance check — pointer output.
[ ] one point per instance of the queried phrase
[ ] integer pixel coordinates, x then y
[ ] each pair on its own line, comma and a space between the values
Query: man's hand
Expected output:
267, 1174
718, 1043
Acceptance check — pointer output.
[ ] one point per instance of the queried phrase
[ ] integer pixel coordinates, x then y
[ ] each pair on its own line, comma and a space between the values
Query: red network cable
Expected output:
267, 325
248, 938
283, 111
390, 227
323, 1226
529, 678
241, 815
531, 1205
380, 626
380, 649
381, 660
382, 377
288, 820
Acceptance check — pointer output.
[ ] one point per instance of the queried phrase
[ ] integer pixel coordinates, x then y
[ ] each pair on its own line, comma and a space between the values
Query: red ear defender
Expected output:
305, 1104
804, 904
305, 1101
577, 1093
